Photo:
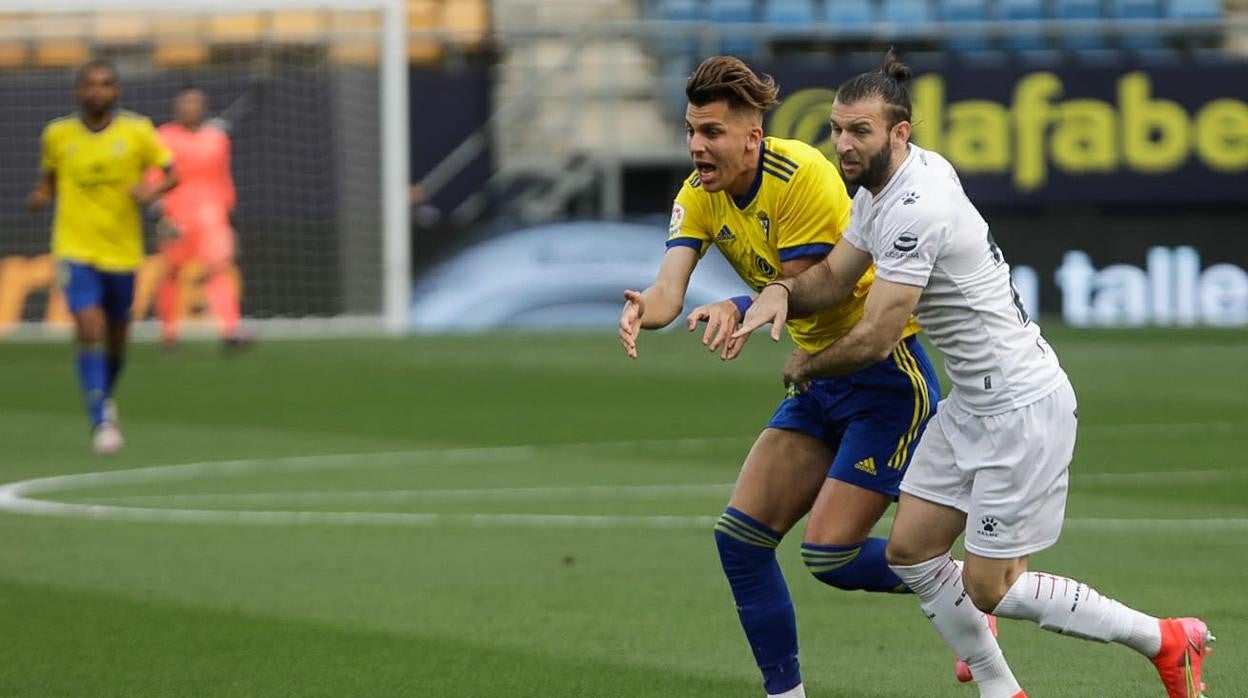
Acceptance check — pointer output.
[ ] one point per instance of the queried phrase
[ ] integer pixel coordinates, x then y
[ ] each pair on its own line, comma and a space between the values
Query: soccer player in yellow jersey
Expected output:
94, 164
836, 449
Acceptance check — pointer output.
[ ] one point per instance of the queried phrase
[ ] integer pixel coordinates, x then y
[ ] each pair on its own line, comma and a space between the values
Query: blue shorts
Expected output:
871, 419
87, 287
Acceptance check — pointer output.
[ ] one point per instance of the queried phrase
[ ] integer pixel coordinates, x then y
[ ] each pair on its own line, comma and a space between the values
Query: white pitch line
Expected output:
590, 492
15, 497
488, 494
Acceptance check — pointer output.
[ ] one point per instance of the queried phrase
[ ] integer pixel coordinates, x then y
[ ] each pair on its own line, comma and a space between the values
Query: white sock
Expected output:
795, 692
1069, 607
938, 584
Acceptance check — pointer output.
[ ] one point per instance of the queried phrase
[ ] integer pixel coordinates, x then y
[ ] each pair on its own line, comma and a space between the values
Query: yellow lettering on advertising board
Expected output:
1037, 132
23, 277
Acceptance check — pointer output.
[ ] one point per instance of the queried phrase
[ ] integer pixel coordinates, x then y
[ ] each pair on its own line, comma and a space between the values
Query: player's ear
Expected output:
902, 132
754, 137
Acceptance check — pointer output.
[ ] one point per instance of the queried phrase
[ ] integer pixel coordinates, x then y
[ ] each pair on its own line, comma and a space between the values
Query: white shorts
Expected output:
1008, 471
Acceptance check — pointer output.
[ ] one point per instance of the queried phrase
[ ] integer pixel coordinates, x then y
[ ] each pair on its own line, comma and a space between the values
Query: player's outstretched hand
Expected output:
721, 319
630, 321
795, 370
771, 306
144, 193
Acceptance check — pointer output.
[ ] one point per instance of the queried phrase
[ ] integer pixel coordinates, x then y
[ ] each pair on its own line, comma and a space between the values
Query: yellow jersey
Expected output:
97, 222
796, 207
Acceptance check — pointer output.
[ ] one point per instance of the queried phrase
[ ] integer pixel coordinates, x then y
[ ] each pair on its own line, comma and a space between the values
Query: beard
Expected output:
874, 171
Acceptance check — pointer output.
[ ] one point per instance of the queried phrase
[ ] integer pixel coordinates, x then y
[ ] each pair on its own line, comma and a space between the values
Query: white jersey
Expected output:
922, 230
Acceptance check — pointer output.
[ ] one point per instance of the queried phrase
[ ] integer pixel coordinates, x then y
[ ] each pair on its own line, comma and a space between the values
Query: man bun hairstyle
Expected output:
888, 83
729, 78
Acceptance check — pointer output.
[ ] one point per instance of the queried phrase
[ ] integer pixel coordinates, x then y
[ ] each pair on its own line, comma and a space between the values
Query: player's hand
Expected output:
630, 321
721, 319
796, 370
772, 305
167, 230
38, 200
144, 194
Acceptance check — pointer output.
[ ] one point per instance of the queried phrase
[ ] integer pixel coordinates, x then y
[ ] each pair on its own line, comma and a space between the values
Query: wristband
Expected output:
788, 291
743, 303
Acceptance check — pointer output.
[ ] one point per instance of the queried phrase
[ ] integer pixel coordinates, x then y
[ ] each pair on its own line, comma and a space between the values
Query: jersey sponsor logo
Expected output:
906, 242
764, 221
678, 220
866, 465
765, 267
725, 235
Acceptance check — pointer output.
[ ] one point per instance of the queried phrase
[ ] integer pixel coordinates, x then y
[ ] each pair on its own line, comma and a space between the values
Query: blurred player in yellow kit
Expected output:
196, 226
93, 164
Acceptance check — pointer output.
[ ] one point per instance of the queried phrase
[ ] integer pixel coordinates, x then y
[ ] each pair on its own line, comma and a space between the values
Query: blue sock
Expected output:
747, 550
853, 567
115, 362
93, 378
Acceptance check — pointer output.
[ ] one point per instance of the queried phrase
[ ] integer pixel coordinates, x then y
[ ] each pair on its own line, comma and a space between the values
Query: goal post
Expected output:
314, 94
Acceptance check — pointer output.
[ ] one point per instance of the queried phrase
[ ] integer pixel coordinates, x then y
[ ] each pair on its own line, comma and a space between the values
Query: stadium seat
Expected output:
1138, 10
1194, 9
965, 11
850, 13
908, 12
120, 27
467, 21
790, 14
1088, 38
680, 10
423, 22
1023, 16
734, 12
235, 28
59, 38
297, 26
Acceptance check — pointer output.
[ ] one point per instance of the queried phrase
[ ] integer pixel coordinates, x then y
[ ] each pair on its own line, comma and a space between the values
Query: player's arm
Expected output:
824, 284
45, 185
884, 319
43, 191
723, 317
227, 173
155, 155
662, 301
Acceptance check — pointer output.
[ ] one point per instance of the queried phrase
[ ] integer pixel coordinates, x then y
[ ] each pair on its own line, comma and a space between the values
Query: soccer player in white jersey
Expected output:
994, 462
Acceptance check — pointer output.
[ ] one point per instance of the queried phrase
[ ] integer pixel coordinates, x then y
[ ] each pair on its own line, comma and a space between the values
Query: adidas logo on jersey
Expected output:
867, 465
725, 235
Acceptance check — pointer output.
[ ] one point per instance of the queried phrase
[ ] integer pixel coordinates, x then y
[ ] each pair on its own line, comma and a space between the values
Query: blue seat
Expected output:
954, 11
1089, 37
1194, 9
849, 13
1023, 16
790, 14
1138, 10
680, 10
908, 12
727, 13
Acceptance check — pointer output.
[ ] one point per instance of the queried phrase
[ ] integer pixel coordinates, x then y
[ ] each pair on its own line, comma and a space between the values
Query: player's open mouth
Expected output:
705, 170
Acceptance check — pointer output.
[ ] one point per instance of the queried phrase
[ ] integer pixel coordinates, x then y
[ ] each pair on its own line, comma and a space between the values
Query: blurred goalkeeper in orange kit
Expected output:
195, 225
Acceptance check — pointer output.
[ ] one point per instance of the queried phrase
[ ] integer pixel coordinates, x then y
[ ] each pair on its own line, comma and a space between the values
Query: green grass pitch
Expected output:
518, 515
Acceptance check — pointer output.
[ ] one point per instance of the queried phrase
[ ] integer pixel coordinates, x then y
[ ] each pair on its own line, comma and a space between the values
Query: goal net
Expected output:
314, 97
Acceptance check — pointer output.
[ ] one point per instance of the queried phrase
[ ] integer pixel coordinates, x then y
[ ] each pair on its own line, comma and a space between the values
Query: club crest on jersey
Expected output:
725, 235
119, 148
764, 221
678, 220
909, 198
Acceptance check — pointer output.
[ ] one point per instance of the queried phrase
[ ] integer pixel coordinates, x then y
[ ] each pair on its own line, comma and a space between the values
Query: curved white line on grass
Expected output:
16, 497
